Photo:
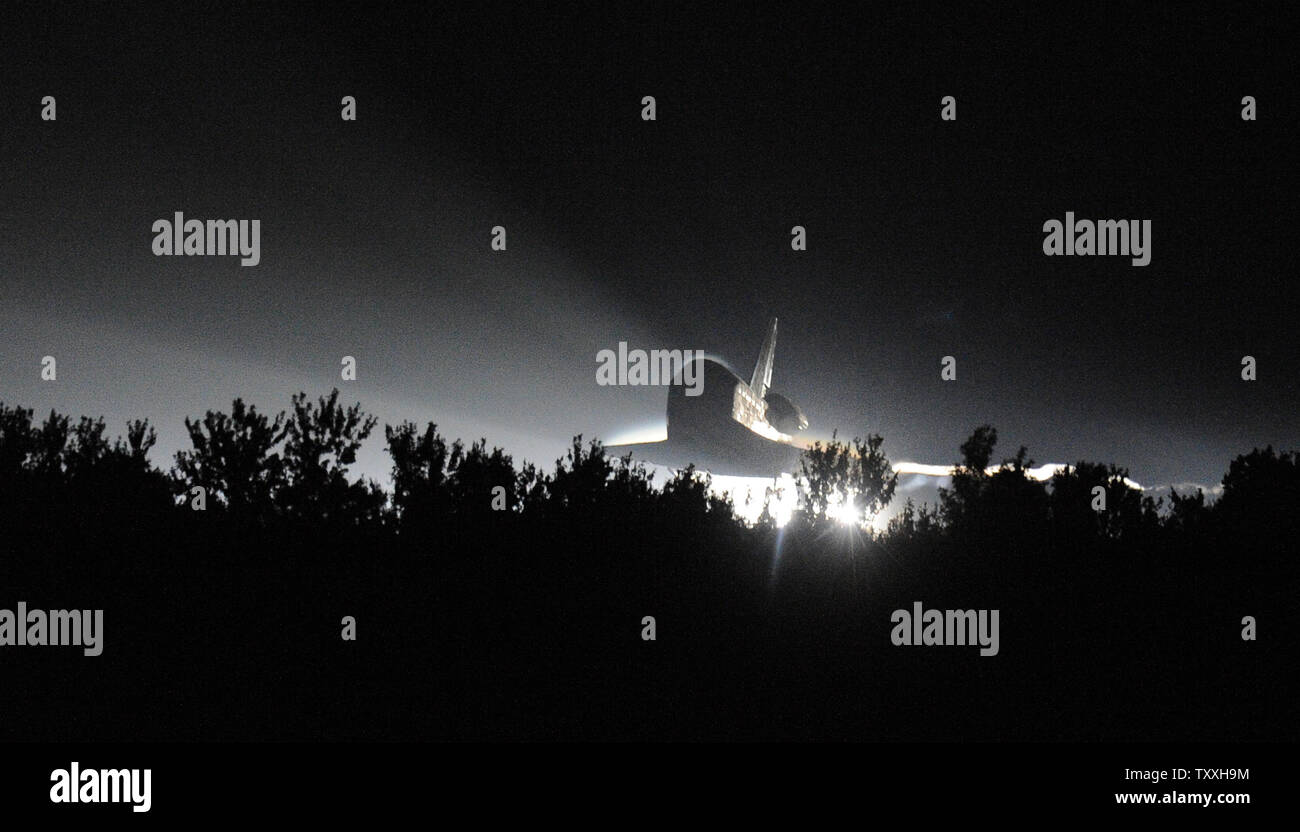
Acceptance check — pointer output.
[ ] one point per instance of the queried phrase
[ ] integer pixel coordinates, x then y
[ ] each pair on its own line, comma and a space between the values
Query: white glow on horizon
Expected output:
637, 436
748, 494
1042, 473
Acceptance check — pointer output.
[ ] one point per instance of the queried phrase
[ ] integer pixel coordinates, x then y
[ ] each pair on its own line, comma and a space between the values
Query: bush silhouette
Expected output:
524, 622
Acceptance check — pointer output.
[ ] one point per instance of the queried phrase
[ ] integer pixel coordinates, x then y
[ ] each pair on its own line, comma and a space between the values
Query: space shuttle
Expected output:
734, 427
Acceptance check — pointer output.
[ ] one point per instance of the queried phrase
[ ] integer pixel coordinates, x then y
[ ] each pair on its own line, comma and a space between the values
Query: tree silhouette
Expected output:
959, 502
51, 441
1261, 495
531, 486
140, 438
321, 441
914, 523
1074, 521
582, 478
476, 474
1002, 509
853, 474
589, 549
1189, 517
233, 460
824, 476
17, 442
872, 480
688, 496
422, 463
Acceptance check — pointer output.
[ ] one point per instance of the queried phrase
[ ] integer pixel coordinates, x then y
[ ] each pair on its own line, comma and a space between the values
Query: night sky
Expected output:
924, 236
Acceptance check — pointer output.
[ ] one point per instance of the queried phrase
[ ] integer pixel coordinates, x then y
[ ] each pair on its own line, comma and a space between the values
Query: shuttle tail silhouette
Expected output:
762, 378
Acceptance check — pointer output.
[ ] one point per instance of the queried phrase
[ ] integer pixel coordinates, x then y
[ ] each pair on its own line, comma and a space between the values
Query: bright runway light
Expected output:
783, 511
748, 494
846, 513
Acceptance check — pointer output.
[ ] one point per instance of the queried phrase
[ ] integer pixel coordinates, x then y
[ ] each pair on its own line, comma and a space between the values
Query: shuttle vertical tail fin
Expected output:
763, 369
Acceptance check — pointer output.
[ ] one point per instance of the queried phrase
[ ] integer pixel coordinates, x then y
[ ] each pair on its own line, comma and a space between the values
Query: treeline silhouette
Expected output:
503, 601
